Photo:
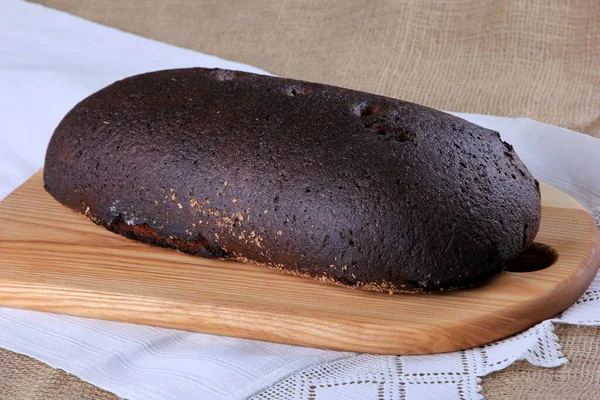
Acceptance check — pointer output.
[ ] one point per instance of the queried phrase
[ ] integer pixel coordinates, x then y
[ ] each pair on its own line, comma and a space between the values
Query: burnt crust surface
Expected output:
344, 186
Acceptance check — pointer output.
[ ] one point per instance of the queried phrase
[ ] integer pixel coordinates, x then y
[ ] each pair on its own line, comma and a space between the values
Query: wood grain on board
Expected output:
56, 260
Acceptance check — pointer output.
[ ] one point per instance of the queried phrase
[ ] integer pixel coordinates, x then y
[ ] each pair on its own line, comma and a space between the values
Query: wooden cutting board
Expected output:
55, 260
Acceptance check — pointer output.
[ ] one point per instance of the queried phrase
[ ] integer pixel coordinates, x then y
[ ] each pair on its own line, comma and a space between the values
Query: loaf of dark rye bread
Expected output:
343, 186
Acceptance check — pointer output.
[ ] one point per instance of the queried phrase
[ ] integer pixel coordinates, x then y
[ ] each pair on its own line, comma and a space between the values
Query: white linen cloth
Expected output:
48, 62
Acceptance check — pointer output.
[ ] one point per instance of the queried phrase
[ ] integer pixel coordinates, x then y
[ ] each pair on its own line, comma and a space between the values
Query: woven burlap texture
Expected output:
535, 59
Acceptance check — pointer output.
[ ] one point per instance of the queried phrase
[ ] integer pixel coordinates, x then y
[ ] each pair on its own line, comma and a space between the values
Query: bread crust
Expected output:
343, 186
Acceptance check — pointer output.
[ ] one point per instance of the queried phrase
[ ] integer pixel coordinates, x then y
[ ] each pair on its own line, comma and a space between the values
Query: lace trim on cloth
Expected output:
449, 376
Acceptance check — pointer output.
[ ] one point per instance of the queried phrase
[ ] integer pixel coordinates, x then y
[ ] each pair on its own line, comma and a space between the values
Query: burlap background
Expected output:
537, 59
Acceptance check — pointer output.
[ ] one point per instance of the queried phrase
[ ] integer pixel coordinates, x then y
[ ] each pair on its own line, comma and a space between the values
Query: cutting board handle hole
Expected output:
536, 257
